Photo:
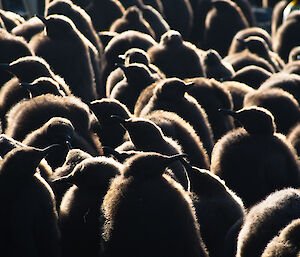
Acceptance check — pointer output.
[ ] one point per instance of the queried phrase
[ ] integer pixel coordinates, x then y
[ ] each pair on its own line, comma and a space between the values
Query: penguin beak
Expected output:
108, 150
188, 85
42, 18
119, 119
228, 112
65, 179
50, 149
5, 66
176, 157
25, 85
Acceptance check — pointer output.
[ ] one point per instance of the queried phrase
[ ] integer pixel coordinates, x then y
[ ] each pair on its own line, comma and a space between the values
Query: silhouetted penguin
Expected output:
211, 95
238, 46
29, 218
175, 57
7, 144
110, 133
67, 52
215, 67
170, 95
286, 243
245, 58
119, 44
242, 157
132, 19
238, 91
258, 46
143, 199
279, 103
98, 11
136, 78
11, 48
182, 132
265, 220
287, 82
251, 75
29, 28
74, 157
155, 141
179, 15
29, 115
80, 214
217, 207
12, 93
294, 54
286, 37
219, 31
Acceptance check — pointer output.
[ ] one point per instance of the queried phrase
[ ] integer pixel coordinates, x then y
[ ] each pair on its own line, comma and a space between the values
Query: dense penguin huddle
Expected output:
150, 128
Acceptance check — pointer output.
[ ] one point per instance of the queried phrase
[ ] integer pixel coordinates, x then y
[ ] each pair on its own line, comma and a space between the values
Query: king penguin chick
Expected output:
286, 243
132, 19
170, 95
215, 67
80, 217
136, 78
176, 57
242, 157
132, 206
67, 52
29, 218
110, 133
155, 141
217, 207
265, 220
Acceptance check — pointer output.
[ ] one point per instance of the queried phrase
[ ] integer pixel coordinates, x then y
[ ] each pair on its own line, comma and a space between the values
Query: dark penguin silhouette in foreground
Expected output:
219, 29
286, 244
214, 67
211, 95
67, 52
11, 48
265, 220
217, 207
155, 141
170, 95
242, 157
279, 103
136, 78
132, 20
28, 217
176, 57
74, 157
252, 76
143, 198
110, 133
29, 115
80, 218
182, 132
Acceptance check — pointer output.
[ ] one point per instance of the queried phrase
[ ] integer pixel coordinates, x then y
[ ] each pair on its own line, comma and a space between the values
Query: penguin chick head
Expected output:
135, 55
21, 163
142, 132
93, 173
171, 38
29, 68
133, 14
255, 120
148, 164
43, 85
172, 88
60, 129
211, 57
256, 45
106, 107
137, 72
59, 26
